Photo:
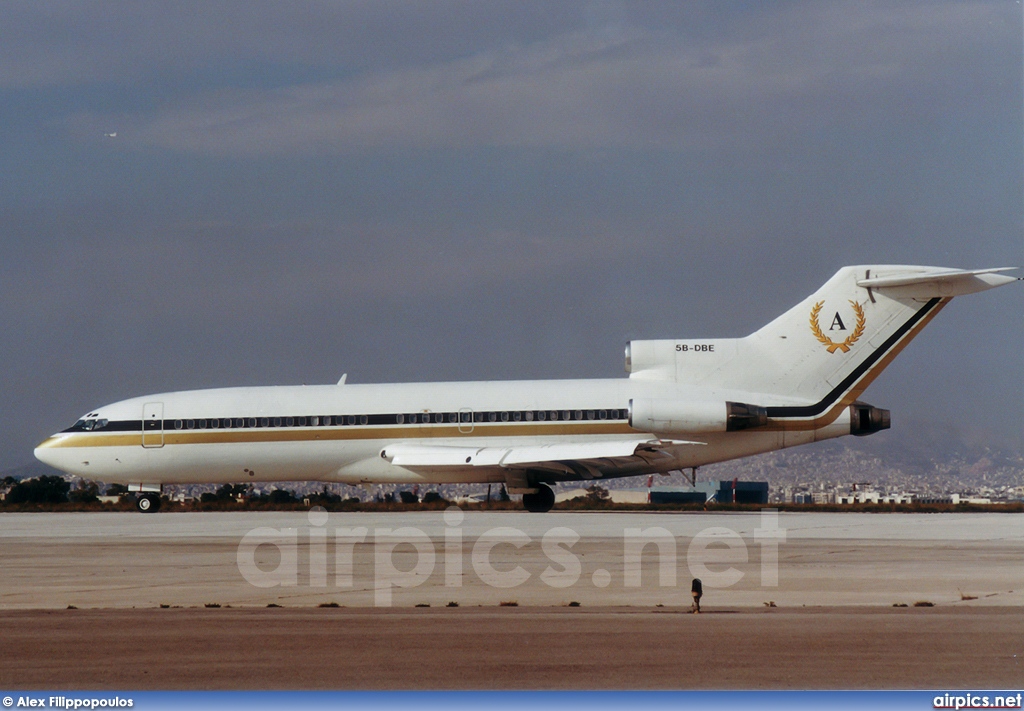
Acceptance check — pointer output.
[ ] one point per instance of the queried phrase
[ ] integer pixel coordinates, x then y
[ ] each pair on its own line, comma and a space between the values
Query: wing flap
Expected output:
431, 455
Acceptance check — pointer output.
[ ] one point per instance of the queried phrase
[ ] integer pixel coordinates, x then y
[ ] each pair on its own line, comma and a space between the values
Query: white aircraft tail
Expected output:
824, 351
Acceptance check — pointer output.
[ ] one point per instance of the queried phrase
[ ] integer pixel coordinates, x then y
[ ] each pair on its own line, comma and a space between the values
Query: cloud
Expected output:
806, 68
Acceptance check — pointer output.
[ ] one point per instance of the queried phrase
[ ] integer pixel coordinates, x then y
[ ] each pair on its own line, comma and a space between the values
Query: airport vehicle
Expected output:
686, 403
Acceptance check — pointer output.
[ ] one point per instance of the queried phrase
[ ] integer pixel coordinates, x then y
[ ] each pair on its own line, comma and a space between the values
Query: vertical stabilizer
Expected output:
826, 350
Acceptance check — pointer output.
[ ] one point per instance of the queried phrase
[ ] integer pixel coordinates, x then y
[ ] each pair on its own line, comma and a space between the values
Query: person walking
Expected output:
697, 591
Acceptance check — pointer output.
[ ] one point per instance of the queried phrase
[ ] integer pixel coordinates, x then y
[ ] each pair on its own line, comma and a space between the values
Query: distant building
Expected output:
677, 495
725, 492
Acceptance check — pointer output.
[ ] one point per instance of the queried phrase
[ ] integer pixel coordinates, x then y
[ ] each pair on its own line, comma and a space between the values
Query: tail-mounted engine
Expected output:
688, 416
866, 419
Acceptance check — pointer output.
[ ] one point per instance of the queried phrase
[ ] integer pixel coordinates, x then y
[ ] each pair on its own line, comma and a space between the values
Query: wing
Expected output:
587, 460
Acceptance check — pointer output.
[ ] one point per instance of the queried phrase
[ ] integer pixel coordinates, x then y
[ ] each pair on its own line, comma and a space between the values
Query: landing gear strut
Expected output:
540, 502
148, 503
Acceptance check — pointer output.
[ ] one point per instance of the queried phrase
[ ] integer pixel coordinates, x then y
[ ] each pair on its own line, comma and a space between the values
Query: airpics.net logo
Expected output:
407, 557
970, 700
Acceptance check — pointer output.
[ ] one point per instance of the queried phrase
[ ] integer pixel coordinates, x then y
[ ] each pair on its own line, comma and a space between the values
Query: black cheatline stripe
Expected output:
448, 418
115, 426
849, 380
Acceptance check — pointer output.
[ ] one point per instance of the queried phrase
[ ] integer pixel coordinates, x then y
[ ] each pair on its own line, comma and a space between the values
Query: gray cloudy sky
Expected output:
464, 190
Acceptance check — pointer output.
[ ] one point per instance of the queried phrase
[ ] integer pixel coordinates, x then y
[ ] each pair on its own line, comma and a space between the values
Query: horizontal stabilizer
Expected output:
932, 282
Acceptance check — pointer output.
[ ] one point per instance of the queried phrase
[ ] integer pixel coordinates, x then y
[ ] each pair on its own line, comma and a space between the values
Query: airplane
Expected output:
686, 403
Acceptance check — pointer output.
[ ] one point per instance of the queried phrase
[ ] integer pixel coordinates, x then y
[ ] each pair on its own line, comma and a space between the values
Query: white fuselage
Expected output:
268, 433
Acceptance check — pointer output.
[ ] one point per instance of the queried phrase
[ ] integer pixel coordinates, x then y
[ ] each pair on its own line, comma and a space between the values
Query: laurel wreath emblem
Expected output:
844, 346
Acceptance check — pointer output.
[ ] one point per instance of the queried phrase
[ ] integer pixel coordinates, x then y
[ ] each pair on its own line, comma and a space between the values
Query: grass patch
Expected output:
212, 604
924, 603
328, 604
272, 604
508, 603
574, 603
452, 604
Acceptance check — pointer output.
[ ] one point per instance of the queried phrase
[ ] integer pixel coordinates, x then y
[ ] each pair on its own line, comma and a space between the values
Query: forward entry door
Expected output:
153, 424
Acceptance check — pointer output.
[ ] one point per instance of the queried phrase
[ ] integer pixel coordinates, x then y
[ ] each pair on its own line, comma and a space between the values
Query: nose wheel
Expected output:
542, 501
148, 503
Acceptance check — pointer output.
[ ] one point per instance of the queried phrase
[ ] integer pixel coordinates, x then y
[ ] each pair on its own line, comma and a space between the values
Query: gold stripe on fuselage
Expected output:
372, 432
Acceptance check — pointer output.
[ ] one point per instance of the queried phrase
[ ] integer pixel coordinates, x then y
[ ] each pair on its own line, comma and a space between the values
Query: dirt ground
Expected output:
512, 648
141, 585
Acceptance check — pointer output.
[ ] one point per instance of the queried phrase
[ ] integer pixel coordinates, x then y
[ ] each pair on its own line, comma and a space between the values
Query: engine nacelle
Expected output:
686, 416
866, 419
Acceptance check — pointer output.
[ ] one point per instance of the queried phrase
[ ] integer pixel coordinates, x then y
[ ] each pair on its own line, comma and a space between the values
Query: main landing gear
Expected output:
542, 501
147, 503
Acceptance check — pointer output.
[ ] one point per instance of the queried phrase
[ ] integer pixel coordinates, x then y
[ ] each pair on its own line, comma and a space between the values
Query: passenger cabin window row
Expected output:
421, 418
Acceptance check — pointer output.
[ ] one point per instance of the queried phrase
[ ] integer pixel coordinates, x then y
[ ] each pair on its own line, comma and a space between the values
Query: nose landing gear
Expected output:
147, 503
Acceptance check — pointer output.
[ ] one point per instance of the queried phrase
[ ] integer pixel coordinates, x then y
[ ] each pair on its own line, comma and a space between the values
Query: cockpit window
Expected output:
91, 424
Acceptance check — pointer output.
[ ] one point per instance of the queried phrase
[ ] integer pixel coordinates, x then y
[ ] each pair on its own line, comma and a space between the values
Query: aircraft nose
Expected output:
49, 454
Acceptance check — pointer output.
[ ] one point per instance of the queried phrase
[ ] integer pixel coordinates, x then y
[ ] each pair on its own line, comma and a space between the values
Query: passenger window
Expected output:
529, 415
190, 424
517, 416
177, 424
314, 421
214, 423
399, 419
363, 419
492, 416
351, 419
504, 417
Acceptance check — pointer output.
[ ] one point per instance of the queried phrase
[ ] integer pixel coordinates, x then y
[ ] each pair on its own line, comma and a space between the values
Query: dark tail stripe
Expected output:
858, 372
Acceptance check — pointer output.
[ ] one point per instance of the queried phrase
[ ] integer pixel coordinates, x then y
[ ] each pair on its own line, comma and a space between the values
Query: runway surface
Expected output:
790, 601
513, 648
299, 559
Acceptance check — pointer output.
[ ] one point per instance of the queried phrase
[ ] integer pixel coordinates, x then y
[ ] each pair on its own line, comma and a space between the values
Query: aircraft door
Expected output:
153, 424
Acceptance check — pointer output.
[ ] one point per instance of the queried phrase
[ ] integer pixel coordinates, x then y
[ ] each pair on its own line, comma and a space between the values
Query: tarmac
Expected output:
510, 600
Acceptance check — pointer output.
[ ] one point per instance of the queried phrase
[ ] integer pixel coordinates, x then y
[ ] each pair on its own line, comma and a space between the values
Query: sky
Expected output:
221, 193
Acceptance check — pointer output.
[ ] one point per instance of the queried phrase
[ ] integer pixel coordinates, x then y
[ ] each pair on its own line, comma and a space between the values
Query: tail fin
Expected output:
825, 350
